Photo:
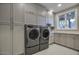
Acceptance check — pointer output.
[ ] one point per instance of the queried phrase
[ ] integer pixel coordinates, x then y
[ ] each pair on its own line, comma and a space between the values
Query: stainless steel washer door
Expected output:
33, 34
33, 37
45, 33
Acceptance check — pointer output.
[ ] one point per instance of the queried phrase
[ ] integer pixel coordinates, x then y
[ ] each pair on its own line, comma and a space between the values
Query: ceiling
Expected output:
55, 8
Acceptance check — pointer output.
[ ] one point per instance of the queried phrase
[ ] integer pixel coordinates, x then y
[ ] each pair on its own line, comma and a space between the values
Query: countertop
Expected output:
67, 32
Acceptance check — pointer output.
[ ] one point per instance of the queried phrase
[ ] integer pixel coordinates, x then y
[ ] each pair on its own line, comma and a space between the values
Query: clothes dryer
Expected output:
32, 34
44, 38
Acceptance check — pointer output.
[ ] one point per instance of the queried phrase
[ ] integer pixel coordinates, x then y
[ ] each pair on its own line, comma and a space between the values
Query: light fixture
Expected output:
21, 4
59, 5
50, 12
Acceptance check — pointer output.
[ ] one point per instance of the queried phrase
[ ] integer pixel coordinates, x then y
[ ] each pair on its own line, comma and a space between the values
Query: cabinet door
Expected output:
49, 20
51, 39
18, 39
26, 18
70, 41
41, 20
18, 13
30, 18
76, 42
4, 12
5, 40
63, 39
56, 38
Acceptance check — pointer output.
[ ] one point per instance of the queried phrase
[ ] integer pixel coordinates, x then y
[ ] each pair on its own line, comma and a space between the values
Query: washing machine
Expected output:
44, 38
32, 34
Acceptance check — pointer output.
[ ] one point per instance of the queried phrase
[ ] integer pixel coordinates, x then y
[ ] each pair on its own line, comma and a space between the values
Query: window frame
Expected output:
65, 13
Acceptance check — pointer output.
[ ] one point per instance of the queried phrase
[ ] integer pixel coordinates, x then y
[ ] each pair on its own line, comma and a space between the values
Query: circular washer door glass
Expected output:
45, 33
33, 34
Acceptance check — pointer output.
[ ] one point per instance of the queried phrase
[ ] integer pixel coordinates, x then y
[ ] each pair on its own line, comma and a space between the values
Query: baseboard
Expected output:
22, 54
67, 47
51, 43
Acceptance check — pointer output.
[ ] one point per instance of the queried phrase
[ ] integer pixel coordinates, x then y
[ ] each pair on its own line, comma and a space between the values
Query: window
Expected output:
62, 21
71, 21
67, 20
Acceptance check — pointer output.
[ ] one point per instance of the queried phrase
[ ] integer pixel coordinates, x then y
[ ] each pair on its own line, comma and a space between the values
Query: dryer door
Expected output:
33, 34
45, 33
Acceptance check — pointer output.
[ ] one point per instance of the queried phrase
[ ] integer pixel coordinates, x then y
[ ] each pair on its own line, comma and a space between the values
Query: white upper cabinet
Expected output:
33, 14
41, 20
26, 18
18, 13
30, 18
35, 19
44, 21
49, 20
5, 12
30, 14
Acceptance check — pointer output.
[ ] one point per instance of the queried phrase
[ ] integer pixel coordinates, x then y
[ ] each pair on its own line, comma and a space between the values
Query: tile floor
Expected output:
55, 49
